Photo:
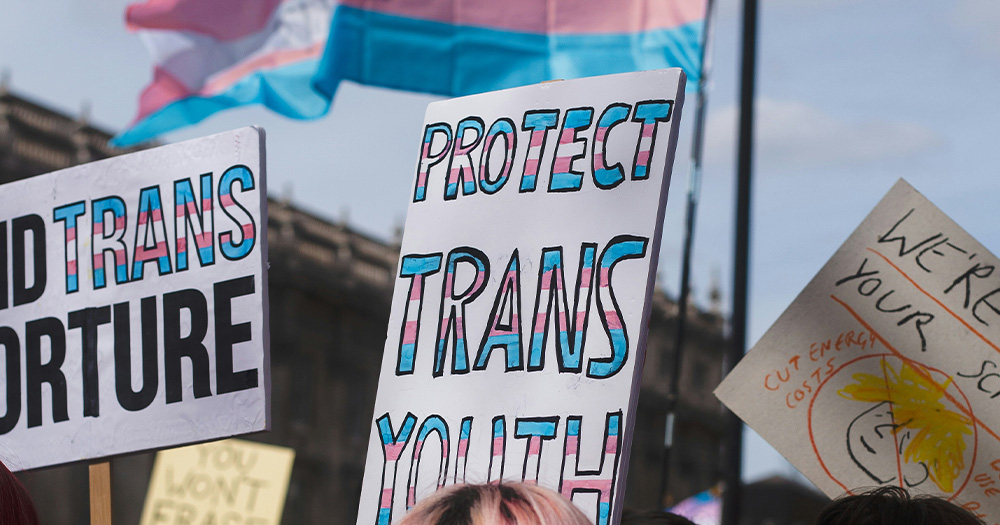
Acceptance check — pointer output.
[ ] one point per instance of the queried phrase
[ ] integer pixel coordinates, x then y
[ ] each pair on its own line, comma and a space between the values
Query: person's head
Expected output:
892, 506
16, 507
495, 504
653, 517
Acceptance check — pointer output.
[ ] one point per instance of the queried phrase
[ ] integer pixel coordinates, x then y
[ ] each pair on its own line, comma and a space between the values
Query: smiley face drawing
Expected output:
875, 434
909, 426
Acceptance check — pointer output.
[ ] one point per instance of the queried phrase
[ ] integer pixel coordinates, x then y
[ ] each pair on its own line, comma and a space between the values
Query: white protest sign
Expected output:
883, 371
225, 482
133, 302
517, 332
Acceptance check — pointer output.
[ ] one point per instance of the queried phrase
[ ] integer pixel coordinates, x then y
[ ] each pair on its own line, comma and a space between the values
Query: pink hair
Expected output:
501, 504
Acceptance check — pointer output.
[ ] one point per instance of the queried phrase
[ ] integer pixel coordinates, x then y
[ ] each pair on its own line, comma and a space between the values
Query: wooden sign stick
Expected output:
100, 493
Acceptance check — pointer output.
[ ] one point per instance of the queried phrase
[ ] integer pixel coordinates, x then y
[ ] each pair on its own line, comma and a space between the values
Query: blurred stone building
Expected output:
330, 291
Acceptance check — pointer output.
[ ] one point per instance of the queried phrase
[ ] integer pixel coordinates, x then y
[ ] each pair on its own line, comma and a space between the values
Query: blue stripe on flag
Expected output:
285, 90
433, 57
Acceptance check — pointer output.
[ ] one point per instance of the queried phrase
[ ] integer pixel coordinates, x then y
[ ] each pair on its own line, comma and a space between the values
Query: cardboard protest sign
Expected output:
883, 371
231, 481
133, 302
517, 331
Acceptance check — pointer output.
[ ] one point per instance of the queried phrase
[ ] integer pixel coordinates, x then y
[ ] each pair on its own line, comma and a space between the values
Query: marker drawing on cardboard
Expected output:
231, 481
133, 302
517, 330
883, 371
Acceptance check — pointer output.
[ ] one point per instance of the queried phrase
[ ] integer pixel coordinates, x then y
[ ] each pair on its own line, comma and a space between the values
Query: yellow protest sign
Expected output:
229, 482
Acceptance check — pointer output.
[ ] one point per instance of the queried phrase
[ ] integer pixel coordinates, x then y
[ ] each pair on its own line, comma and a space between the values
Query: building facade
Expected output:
330, 293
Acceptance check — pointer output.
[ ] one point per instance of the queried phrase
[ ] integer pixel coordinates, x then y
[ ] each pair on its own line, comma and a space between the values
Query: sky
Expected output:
851, 96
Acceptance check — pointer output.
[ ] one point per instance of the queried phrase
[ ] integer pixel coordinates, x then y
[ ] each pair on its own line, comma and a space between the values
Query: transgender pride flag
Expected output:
290, 55
462, 47
212, 55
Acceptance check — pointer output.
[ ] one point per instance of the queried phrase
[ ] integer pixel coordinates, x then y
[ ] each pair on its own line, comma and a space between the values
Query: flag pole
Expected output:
693, 191
733, 449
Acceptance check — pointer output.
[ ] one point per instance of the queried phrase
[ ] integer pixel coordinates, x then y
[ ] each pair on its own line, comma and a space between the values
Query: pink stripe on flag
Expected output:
70, 234
226, 199
531, 166
532, 16
647, 130
534, 446
614, 323
386, 501
248, 231
182, 244
71, 267
463, 447
274, 60
497, 446
219, 19
164, 89
537, 138
99, 261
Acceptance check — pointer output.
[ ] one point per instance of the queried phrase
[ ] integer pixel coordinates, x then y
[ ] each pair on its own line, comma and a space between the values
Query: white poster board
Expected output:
230, 481
517, 332
883, 371
133, 302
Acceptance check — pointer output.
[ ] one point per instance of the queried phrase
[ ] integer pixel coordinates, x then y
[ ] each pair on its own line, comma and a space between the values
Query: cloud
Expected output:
734, 7
810, 3
795, 136
980, 19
